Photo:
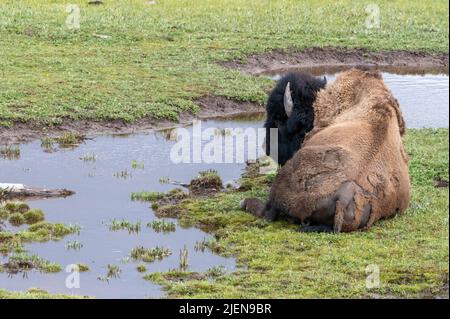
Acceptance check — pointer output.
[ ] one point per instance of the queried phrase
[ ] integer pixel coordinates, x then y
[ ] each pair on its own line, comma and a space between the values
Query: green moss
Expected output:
275, 261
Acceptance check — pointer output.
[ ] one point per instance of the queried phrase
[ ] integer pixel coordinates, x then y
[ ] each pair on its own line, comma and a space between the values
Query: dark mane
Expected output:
292, 130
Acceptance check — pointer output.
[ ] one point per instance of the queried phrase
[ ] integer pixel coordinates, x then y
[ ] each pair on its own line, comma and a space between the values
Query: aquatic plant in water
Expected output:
112, 272
162, 226
10, 152
116, 225
184, 259
149, 254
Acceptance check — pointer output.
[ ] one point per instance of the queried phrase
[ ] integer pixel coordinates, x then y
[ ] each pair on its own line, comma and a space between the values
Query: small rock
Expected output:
232, 184
96, 2
102, 36
440, 183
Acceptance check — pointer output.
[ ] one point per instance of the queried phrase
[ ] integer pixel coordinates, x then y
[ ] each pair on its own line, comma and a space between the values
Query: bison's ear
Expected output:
288, 103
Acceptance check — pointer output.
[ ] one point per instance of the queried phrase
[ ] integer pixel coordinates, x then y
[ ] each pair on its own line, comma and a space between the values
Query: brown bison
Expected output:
351, 169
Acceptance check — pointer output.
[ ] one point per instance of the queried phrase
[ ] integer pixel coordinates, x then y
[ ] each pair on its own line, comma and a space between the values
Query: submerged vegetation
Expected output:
162, 226
66, 140
147, 196
10, 152
411, 250
184, 259
149, 254
132, 228
89, 157
112, 272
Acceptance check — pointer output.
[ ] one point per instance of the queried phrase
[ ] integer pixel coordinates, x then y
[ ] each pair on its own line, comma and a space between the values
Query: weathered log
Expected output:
17, 191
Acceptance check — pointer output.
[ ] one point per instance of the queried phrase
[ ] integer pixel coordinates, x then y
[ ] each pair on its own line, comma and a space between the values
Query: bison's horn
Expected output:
288, 104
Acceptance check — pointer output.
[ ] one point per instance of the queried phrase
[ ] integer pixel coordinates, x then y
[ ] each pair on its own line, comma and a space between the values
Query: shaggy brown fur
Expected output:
352, 169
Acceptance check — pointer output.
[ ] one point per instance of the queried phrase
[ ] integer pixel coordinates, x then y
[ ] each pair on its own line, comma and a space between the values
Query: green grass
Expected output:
160, 58
34, 293
275, 261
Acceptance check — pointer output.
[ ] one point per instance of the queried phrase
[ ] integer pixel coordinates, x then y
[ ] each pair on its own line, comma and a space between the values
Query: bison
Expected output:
292, 114
352, 168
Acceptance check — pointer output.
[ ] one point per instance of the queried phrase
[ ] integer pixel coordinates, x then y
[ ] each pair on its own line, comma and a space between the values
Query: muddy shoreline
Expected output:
211, 108
313, 60
420, 62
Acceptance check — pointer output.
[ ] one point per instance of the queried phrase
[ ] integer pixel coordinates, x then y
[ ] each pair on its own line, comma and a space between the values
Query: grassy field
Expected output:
157, 59
33, 293
411, 250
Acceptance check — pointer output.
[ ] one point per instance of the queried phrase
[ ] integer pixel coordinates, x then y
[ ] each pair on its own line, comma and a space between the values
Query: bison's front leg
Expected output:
257, 208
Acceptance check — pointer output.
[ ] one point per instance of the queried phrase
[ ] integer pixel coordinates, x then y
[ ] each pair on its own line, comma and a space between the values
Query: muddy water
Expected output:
100, 197
423, 96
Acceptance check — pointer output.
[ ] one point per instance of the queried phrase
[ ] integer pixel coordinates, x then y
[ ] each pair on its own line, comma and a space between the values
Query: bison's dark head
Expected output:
290, 110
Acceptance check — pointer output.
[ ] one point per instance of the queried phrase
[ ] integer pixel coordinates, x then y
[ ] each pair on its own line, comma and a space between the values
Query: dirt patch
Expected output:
398, 61
440, 183
211, 107
207, 183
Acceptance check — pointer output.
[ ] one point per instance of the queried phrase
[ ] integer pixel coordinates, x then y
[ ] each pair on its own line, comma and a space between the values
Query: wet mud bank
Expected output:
408, 61
211, 108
